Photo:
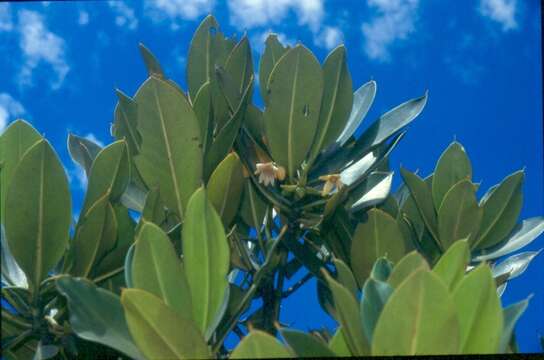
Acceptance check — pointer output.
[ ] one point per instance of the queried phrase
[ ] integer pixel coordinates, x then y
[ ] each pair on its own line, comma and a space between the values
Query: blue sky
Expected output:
479, 59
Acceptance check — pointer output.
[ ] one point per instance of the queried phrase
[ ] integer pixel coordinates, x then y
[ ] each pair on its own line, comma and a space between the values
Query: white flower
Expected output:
269, 172
331, 181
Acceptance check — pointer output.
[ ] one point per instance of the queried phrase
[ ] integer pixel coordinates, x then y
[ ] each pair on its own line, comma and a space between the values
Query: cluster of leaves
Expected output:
205, 203
410, 309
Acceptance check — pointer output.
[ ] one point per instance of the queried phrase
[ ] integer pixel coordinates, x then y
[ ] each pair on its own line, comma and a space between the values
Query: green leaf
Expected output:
228, 93
501, 211
372, 191
362, 101
305, 345
375, 296
381, 269
155, 328
154, 210
225, 187
15, 140
83, 151
171, 154
259, 344
12, 274
347, 313
96, 233
224, 139
37, 225
459, 216
206, 258
96, 315
273, 51
511, 315
422, 196
125, 238
254, 123
409, 264
125, 125
379, 235
200, 58
127, 268
338, 344
345, 277
522, 235
479, 312
514, 265
239, 66
202, 106
391, 122
110, 174
418, 319
452, 167
157, 269
292, 114
452, 265
336, 102
253, 207
151, 62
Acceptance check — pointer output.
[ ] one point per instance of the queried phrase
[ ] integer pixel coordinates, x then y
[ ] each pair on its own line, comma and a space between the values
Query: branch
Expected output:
296, 286
249, 295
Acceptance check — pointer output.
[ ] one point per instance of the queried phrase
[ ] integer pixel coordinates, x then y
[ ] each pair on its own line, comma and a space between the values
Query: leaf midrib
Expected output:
226, 196
39, 236
168, 150
291, 115
500, 215
415, 328
157, 329
130, 130
328, 118
207, 277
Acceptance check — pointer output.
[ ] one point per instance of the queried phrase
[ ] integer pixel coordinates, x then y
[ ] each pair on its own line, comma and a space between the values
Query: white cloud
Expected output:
83, 18
175, 10
245, 14
38, 44
124, 15
9, 109
394, 22
92, 137
76, 173
501, 11
6, 22
329, 38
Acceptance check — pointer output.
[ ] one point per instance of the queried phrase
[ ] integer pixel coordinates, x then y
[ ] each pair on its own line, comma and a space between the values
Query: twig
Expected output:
296, 286
249, 295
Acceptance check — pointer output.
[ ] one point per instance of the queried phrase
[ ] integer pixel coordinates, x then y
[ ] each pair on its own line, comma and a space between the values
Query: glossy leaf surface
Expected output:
479, 312
257, 345
459, 216
501, 211
452, 167
419, 318
171, 157
292, 114
38, 221
157, 269
452, 265
206, 258
347, 313
225, 187
155, 328
377, 236
96, 315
